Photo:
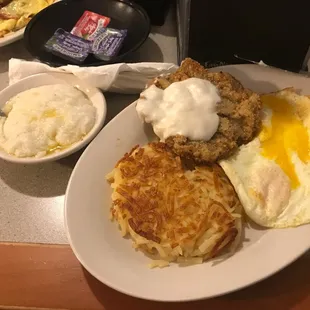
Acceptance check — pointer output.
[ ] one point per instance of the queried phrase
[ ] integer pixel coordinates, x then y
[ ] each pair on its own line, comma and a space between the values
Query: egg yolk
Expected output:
285, 136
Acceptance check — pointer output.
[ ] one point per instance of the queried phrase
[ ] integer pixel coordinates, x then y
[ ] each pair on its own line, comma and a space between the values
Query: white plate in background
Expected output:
98, 244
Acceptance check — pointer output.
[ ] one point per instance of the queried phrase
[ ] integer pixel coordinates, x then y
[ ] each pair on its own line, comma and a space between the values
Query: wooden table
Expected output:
37, 276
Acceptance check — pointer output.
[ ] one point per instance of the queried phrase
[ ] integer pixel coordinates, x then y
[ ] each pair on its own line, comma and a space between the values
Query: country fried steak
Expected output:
239, 112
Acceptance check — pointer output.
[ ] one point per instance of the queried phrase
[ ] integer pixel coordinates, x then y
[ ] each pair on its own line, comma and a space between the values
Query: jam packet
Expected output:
89, 24
108, 43
68, 46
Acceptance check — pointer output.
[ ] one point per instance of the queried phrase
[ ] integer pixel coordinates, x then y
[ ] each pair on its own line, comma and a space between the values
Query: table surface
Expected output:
50, 277
38, 269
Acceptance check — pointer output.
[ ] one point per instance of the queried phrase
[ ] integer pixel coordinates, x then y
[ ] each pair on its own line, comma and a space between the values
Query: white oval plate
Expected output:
98, 244
94, 95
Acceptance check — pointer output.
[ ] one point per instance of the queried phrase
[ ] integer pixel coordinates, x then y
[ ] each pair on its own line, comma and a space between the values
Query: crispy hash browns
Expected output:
172, 213
239, 112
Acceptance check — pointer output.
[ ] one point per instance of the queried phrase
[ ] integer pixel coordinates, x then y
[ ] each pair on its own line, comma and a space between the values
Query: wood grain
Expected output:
50, 277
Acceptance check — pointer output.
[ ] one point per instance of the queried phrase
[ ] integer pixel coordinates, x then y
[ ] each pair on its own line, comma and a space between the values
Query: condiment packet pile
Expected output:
89, 35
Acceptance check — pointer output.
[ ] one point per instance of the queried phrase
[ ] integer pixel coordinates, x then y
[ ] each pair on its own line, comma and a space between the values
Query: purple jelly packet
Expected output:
68, 46
108, 43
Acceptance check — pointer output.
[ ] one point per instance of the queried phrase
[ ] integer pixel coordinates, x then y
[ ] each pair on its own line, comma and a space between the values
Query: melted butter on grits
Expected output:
44, 120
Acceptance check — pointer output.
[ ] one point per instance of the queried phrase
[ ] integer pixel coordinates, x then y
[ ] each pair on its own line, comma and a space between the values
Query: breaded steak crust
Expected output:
239, 112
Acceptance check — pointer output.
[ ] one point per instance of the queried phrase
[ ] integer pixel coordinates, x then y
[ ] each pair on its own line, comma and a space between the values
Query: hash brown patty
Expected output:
170, 212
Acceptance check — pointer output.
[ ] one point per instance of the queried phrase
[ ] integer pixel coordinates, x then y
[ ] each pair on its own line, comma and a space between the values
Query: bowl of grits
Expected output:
48, 116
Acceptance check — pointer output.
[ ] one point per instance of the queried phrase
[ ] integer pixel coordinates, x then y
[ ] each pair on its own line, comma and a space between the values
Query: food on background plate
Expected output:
271, 174
238, 110
44, 120
15, 14
70, 47
172, 213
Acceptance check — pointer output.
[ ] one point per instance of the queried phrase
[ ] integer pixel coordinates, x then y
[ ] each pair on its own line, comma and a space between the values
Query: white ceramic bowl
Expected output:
99, 246
94, 95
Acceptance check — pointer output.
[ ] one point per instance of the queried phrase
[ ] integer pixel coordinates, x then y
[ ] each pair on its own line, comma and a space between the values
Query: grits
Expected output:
45, 119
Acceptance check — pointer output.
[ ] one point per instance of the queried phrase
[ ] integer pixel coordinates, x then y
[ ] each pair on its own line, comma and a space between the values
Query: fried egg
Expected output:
271, 174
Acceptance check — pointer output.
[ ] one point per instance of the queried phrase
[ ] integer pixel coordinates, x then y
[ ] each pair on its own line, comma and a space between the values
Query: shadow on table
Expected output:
43, 180
116, 103
149, 51
169, 29
286, 290
14, 50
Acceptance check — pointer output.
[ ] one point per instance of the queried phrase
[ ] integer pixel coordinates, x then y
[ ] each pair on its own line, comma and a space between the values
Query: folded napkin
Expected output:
120, 78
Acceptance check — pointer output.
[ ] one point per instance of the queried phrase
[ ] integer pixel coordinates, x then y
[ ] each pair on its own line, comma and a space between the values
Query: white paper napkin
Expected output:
121, 78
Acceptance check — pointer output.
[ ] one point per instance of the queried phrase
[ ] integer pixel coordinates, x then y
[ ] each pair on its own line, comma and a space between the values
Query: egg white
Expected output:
263, 187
